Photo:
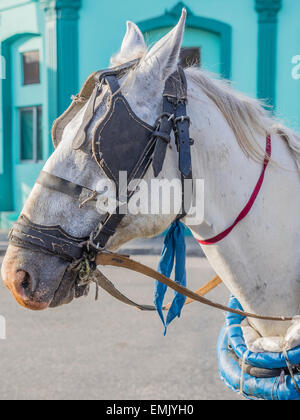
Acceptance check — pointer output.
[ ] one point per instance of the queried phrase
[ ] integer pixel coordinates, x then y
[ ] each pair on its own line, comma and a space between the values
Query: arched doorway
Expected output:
199, 47
208, 39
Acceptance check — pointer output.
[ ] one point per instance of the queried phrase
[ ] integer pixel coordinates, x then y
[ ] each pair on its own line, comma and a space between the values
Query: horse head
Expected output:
39, 279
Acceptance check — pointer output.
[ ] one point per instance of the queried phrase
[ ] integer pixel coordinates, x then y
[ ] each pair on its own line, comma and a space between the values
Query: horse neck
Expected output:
229, 175
243, 259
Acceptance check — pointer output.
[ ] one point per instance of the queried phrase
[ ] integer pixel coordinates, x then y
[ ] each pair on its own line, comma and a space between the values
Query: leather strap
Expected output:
105, 230
110, 288
175, 118
50, 240
182, 124
62, 185
165, 126
116, 260
204, 290
118, 71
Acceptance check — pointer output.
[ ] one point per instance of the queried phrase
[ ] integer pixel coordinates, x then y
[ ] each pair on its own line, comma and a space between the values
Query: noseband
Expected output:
121, 142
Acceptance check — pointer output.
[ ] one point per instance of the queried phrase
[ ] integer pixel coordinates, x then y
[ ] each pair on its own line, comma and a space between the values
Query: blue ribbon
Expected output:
174, 252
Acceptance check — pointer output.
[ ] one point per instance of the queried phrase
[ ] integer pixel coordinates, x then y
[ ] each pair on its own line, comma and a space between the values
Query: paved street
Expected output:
106, 350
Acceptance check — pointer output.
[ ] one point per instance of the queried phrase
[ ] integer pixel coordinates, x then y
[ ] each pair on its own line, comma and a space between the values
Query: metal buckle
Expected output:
170, 117
93, 244
182, 119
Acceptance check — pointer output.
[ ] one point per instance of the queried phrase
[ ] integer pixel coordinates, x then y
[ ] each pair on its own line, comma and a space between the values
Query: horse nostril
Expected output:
24, 280
25, 283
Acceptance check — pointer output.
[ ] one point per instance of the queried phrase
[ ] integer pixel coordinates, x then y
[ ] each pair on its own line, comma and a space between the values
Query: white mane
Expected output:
246, 116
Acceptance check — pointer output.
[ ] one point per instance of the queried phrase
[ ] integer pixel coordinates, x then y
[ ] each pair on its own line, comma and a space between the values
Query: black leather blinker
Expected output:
121, 140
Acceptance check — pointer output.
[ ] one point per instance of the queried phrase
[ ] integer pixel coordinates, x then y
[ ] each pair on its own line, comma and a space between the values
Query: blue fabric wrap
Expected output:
261, 360
253, 388
230, 371
174, 252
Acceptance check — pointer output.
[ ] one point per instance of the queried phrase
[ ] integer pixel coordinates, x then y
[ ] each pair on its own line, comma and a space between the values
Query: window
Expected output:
31, 67
31, 139
190, 57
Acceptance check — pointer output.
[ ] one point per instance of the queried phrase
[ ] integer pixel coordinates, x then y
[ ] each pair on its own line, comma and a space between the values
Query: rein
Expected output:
116, 260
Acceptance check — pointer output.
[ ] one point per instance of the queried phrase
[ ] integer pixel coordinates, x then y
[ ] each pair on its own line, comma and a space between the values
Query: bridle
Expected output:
121, 141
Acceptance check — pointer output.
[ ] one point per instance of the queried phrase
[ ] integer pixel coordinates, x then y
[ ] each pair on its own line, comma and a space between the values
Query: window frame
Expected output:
194, 48
23, 53
34, 109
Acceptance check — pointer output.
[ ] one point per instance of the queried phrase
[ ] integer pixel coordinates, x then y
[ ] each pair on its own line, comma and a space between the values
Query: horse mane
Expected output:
246, 116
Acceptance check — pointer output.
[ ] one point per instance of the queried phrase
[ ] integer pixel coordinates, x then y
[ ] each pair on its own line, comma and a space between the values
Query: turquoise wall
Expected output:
20, 20
25, 173
97, 41
239, 14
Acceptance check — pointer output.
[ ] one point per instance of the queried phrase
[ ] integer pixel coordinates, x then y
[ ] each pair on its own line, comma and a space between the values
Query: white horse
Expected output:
259, 261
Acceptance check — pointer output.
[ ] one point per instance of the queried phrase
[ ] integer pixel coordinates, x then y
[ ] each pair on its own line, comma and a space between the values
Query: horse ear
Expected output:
133, 46
163, 57
133, 40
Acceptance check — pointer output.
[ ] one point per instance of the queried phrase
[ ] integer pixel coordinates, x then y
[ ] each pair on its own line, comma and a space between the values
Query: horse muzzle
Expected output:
39, 281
